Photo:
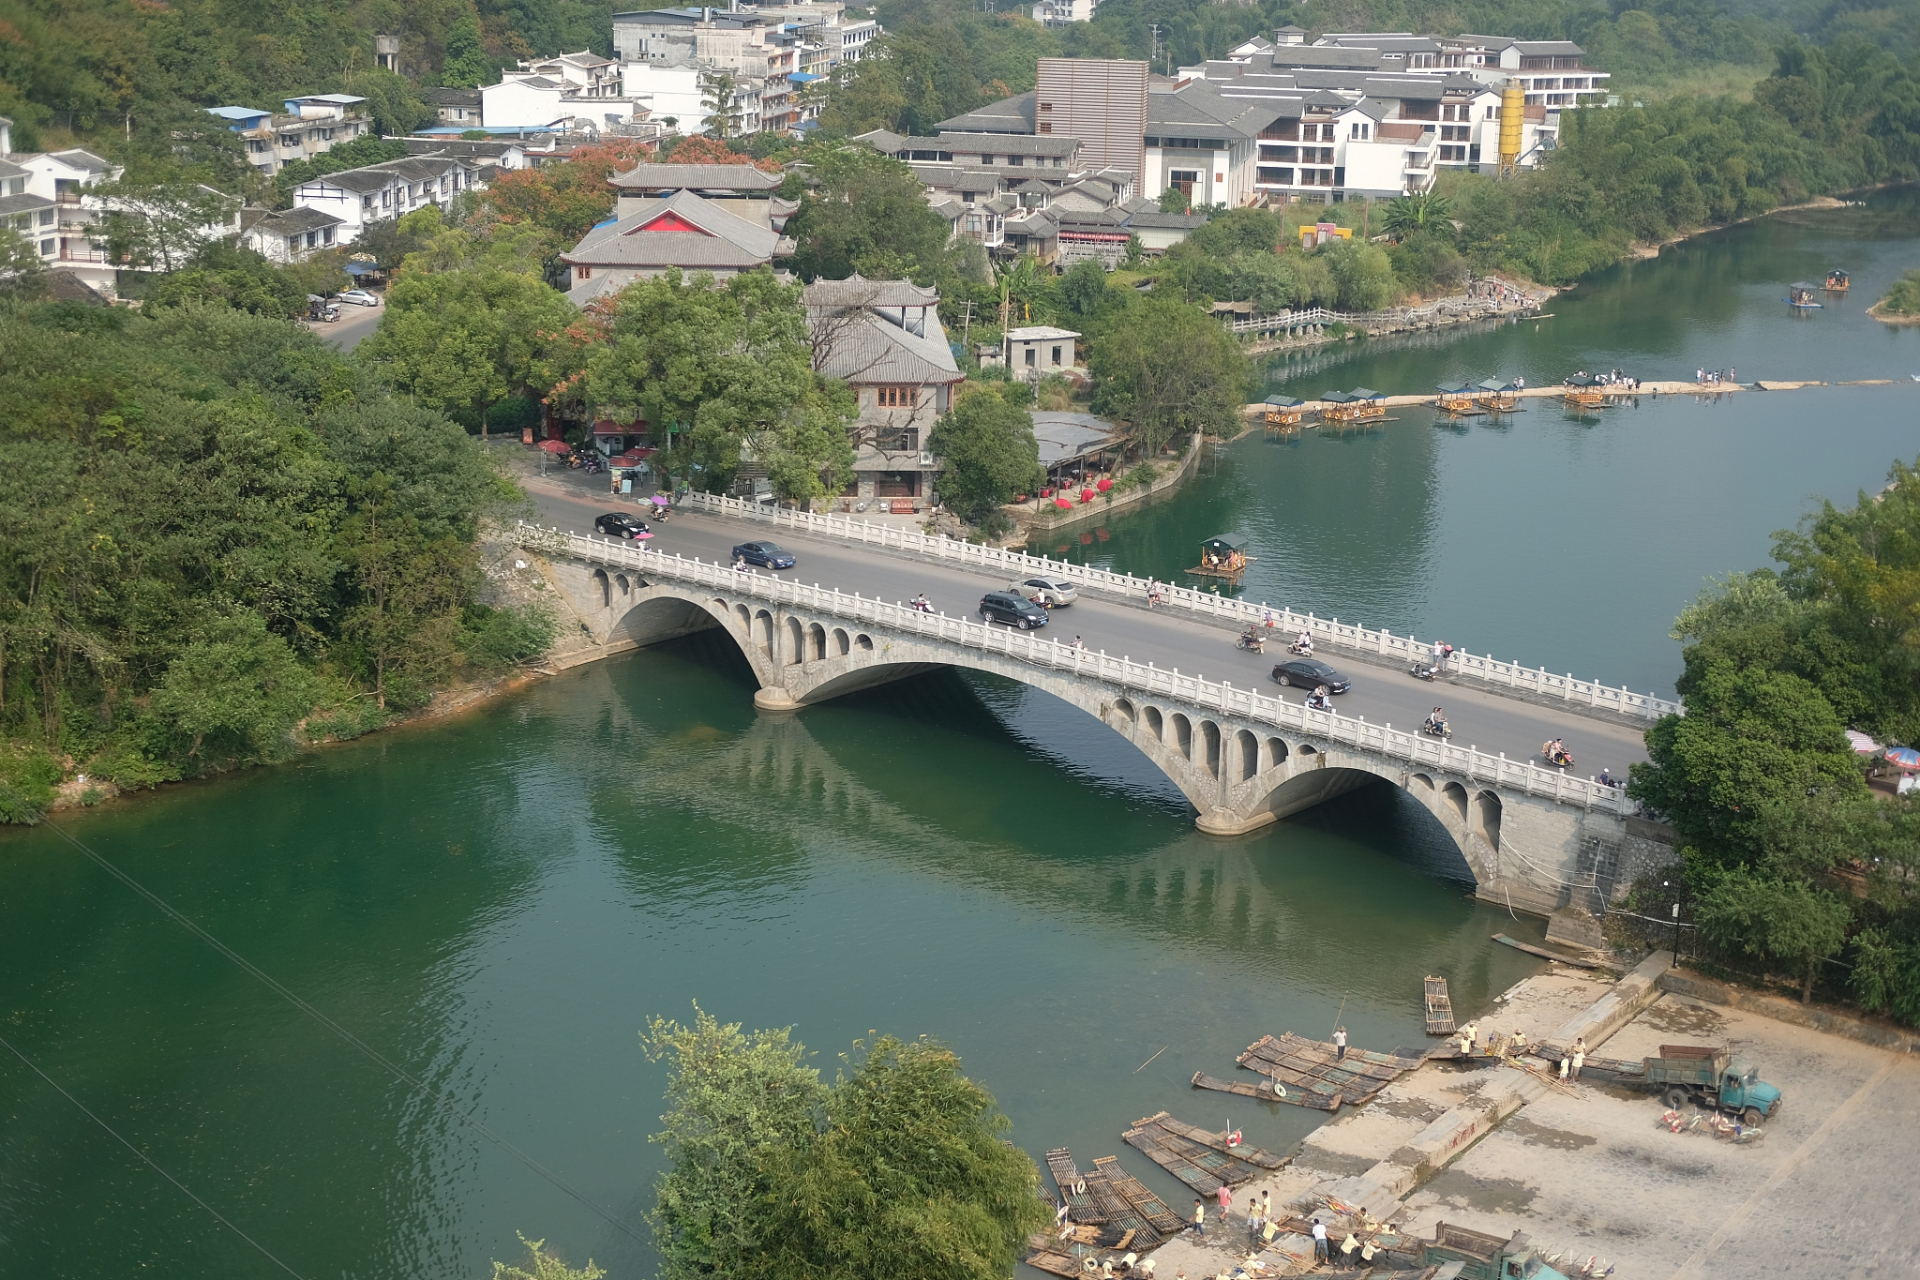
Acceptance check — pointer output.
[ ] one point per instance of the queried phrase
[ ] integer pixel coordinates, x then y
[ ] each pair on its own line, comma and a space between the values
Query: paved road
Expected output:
1166, 638
355, 325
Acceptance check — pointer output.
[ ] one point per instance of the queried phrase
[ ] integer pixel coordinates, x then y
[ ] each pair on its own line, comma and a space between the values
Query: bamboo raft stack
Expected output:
1073, 1188
1149, 1206
1200, 1164
1314, 1068
1133, 1229
1439, 1007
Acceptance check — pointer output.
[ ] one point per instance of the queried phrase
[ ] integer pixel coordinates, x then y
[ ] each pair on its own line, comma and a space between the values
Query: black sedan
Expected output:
618, 524
764, 554
1015, 611
1310, 673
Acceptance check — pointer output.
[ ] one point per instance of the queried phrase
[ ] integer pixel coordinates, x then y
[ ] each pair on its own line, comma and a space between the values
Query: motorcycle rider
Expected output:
921, 603
1319, 699
1252, 639
1303, 643
1437, 721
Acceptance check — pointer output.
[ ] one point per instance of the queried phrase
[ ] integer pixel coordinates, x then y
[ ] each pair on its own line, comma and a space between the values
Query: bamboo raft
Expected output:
1047, 1256
1132, 1228
1314, 1067
1148, 1205
1439, 1007
1267, 1091
1073, 1188
1218, 1141
1197, 1165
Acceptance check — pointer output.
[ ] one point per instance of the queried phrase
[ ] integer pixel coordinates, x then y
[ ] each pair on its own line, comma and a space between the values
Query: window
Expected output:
1030, 362
894, 397
583, 273
1046, 126
897, 439
1056, 357
46, 248
1359, 130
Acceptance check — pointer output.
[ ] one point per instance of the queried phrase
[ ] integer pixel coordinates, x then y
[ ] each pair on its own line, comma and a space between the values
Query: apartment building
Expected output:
458, 107
1061, 13
360, 197
309, 126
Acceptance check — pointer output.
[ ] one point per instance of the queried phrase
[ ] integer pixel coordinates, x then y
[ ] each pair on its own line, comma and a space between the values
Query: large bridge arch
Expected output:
1239, 770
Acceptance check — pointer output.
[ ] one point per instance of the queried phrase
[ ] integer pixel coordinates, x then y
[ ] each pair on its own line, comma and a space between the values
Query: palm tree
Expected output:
716, 99
1410, 214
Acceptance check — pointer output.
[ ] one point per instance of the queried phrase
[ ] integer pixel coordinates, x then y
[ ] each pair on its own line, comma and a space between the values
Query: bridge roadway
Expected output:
1480, 717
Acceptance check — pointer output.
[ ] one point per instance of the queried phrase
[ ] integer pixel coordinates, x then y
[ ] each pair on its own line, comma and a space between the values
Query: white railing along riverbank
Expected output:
1050, 654
1331, 632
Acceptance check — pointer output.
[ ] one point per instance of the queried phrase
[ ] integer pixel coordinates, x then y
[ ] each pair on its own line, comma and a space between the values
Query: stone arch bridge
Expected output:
1531, 836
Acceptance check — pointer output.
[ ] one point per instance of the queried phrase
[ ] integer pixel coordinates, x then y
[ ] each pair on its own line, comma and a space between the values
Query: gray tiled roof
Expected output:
722, 241
25, 202
858, 291
697, 177
454, 97
876, 350
1011, 144
1153, 218
1009, 115
290, 222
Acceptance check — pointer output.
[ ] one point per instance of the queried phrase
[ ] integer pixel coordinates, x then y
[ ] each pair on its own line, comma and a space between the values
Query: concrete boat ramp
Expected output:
1585, 1170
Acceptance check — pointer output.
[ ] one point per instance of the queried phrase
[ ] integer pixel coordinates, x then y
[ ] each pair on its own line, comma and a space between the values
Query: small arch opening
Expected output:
1210, 747
1183, 736
1124, 712
1486, 818
1306, 749
865, 642
796, 643
816, 642
605, 588
1155, 725
842, 645
1456, 797
1276, 753
1249, 755
1421, 780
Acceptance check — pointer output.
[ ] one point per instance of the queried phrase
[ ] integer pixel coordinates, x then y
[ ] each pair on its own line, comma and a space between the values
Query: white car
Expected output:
361, 298
1052, 592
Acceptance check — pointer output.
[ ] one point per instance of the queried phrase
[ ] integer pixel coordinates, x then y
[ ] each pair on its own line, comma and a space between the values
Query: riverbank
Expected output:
1645, 249
1878, 312
1039, 516
1500, 1146
1453, 310
1615, 396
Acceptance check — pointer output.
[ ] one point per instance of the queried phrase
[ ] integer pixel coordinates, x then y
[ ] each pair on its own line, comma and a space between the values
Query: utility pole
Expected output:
966, 325
1154, 29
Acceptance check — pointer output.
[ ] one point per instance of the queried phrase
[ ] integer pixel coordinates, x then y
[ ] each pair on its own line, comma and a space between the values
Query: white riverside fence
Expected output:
1327, 632
1050, 654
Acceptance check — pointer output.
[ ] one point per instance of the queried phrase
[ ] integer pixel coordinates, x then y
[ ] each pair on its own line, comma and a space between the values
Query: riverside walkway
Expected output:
1244, 751
1672, 387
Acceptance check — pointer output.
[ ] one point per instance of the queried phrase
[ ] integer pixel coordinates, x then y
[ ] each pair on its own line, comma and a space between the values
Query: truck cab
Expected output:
1742, 1089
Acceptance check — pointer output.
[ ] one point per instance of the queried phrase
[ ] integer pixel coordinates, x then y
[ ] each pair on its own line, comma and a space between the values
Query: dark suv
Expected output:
1004, 606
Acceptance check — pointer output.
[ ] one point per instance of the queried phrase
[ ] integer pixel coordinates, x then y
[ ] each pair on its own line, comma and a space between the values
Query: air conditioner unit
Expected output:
926, 459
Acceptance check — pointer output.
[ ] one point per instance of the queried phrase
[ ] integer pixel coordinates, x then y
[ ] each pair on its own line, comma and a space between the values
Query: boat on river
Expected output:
1837, 281
1584, 391
1284, 413
1223, 556
1800, 297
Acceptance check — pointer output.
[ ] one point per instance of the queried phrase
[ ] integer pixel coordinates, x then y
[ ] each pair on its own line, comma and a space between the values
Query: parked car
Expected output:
361, 298
618, 524
1055, 592
1014, 610
764, 554
1310, 673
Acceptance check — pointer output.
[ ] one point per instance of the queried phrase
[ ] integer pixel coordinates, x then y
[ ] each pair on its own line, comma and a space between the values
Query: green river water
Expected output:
498, 902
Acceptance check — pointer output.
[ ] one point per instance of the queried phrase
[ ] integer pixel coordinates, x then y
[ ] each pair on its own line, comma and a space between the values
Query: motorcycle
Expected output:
1423, 671
1304, 650
1561, 759
1251, 642
1436, 728
920, 604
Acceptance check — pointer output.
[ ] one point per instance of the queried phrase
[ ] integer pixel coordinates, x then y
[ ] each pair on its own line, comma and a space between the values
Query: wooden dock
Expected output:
1315, 1066
1143, 1202
1439, 1007
1532, 950
1268, 1091
1196, 1164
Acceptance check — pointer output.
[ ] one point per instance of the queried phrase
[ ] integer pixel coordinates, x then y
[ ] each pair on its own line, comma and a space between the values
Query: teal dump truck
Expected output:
1714, 1078
1473, 1255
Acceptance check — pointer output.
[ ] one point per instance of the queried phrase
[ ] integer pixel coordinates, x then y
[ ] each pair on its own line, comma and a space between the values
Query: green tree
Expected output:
236, 689
717, 101
1173, 200
467, 65
1407, 215
238, 277
989, 454
1168, 369
542, 1265
1787, 920
1084, 287
858, 1203
23, 274
161, 226
1362, 274
863, 212
736, 1103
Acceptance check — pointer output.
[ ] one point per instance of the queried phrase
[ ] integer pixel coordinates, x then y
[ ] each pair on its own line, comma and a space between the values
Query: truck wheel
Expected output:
1676, 1098
1751, 1117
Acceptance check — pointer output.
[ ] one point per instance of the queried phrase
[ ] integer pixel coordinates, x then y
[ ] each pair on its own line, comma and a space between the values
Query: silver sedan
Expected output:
1052, 592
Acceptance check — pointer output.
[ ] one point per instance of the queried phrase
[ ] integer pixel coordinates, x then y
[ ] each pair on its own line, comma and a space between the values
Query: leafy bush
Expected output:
27, 778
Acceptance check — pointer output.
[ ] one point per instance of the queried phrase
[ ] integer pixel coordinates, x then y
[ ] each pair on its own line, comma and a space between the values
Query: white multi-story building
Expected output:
1061, 13
310, 125
357, 198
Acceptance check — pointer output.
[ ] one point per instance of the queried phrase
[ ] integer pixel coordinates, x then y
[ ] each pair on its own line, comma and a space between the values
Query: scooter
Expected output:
1423, 671
1436, 728
1561, 759
1304, 650
920, 604
1319, 702
1251, 642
